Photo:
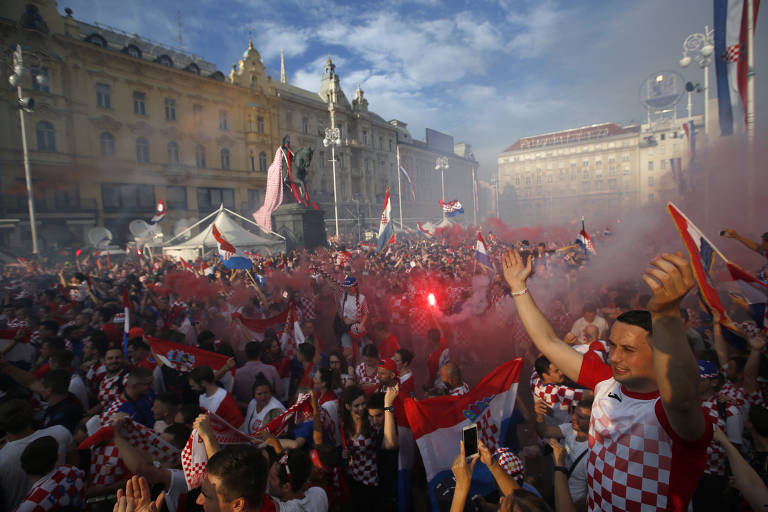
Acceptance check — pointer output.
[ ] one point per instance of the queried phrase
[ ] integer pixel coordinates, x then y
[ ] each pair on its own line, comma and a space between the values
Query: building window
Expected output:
263, 161
517, 179
626, 169
598, 163
170, 109
107, 144
390, 144
254, 199
200, 156
259, 124
527, 180
119, 196
663, 164
250, 124
305, 125
173, 153
650, 165
650, 180
586, 174
585, 163
381, 143
538, 179
46, 136
625, 157
176, 197
142, 150
341, 160
224, 158
650, 196
562, 174
103, 96
139, 103
611, 171
223, 120
164, 60
550, 179
365, 137
252, 160
41, 71
211, 198
133, 51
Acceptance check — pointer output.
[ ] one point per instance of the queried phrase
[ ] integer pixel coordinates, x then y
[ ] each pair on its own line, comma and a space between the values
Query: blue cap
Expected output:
349, 281
708, 370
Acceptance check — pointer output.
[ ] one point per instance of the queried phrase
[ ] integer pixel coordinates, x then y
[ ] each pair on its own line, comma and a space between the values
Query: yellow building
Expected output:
122, 122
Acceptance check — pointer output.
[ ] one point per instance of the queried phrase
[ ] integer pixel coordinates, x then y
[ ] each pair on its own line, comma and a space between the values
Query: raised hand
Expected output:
137, 497
558, 452
515, 272
670, 278
485, 454
461, 470
390, 395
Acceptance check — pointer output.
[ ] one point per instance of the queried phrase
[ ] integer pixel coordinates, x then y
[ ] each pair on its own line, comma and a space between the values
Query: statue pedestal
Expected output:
303, 228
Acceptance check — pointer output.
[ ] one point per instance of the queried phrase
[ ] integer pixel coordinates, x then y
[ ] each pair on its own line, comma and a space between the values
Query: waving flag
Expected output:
585, 242
231, 257
437, 424
731, 62
423, 232
299, 412
690, 132
481, 254
184, 358
410, 183
452, 208
292, 335
261, 324
159, 212
386, 230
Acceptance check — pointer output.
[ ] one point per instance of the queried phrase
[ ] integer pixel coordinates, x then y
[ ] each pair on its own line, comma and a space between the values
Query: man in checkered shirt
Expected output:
648, 435
547, 386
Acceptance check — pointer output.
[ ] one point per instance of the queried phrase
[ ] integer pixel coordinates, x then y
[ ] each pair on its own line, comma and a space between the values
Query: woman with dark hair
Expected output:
323, 384
367, 373
403, 359
263, 407
359, 448
343, 375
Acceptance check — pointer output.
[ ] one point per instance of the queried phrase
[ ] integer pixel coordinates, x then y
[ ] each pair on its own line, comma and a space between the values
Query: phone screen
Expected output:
470, 440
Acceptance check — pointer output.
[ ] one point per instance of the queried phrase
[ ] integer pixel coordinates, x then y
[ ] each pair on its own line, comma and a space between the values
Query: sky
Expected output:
485, 71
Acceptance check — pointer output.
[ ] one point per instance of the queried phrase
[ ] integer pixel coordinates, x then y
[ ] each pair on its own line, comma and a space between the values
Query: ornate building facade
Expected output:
121, 122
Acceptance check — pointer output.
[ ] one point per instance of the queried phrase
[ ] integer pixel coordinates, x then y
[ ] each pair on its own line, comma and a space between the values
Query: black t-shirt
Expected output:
387, 462
66, 413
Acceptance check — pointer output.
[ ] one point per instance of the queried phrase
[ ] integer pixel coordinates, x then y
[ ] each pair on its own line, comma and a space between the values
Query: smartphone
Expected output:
469, 434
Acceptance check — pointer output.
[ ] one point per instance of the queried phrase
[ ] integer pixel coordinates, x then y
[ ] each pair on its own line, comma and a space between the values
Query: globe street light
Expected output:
701, 46
441, 164
26, 104
333, 139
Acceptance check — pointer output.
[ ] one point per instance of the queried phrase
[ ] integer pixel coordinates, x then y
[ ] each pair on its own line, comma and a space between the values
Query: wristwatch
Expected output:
563, 469
391, 408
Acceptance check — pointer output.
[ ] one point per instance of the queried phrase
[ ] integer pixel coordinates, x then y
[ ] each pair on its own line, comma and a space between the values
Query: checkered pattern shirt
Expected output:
733, 392
363, 378
398, 310
756, 398
109, 388
459, 391
636, 461
64, 486
554, 395
93, 376
715, 453
308, 306
362, 460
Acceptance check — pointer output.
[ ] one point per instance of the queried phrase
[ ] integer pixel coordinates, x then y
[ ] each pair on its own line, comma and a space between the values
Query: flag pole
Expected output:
474, 195
750, 110
585, 238
399, 194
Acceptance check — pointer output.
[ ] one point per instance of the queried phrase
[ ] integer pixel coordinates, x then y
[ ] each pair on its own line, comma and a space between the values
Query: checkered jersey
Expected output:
554, 395
733, 392
106, 415
93, 376
106, 466
308, 306
64, 486
715, 454
398, 310
756, 398
459, 391
362, 460
110, 388
363, 378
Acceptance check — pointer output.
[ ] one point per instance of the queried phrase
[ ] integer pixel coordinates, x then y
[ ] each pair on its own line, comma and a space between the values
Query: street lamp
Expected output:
26, 104
441, 164
701, 46
333, 139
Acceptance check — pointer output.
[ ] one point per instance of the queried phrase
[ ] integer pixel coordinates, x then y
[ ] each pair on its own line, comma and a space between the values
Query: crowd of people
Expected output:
633, 398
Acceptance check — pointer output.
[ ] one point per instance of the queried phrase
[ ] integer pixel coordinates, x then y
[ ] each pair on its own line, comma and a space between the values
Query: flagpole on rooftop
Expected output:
399, 194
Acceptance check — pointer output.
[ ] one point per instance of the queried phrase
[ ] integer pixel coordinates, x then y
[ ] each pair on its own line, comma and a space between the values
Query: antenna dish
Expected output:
99, 237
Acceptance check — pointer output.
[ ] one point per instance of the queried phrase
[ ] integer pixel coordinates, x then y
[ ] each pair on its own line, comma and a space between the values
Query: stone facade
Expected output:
125, 122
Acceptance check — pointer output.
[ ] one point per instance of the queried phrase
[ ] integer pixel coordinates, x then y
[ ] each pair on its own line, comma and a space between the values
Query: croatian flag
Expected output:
755, 291
731, 62
690, 132
423, 232
159, 212
184, 358
410, 183
437, 425
386, 229
452, 208
585, 242
481, 253
231, 257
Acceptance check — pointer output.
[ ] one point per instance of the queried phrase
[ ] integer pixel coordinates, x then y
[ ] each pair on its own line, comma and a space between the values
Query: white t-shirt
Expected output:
254, 419
579, 325
176, 489
577, 481
314, 500
350, 309
14, 482
212, 403
77, 388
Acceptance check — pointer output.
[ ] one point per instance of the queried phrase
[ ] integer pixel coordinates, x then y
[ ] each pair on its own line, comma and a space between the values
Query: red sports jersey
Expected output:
62, 487
636, 461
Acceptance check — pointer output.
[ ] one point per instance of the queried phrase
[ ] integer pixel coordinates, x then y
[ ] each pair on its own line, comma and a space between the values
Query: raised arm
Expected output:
506, 483
731, 233
752, 366
536, 325
544, 430
718, 341
745, 478
133, 458
203, 426
670, 277
391, 439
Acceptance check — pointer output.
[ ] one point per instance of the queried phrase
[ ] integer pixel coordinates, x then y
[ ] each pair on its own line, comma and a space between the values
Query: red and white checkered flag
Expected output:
299, 412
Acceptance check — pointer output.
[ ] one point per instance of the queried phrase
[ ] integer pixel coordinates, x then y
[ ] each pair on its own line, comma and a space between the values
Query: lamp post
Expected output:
333, 139
701, 46
441, 164
25, 104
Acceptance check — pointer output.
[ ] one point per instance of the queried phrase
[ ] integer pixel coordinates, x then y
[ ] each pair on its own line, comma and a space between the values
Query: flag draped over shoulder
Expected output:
437, 424
231, 256
481, 253
386, 229
184, 358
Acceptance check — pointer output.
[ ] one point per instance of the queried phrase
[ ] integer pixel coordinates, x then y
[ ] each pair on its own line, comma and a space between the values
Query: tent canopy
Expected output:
224, 220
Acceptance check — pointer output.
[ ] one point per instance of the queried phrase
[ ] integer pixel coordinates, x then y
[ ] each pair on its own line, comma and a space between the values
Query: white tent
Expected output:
203, 243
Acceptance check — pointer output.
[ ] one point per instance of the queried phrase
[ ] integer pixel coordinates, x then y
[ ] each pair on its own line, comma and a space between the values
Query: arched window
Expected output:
263, 162
132, 50
164, 60
173, 153
224, 158
97, 40
200, 156
217, 75
142, 150
107, 144
193, 68
46, 136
